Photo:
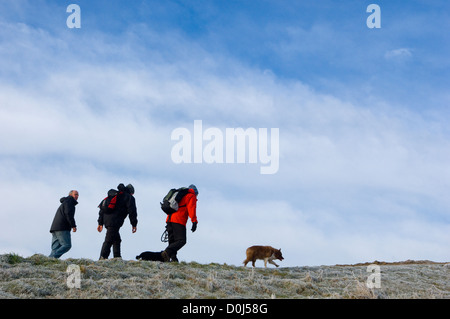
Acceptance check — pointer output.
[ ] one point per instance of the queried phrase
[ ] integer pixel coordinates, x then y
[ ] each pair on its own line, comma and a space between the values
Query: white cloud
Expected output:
344, 169
402, 53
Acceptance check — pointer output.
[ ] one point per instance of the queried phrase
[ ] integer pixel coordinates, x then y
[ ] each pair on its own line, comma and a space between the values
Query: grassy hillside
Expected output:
41, 277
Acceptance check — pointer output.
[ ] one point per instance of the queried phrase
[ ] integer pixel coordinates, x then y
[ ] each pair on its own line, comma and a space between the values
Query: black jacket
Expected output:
125, 206
65, 215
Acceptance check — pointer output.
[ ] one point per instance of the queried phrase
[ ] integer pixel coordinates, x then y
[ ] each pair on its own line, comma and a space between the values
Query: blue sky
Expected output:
362, 113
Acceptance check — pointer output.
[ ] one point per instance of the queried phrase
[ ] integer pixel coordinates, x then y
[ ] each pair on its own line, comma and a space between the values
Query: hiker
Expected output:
63, 222
125, 206
176, 224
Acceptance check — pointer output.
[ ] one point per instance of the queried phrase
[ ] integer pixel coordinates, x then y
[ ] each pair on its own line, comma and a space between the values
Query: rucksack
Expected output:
170, 202
108, 204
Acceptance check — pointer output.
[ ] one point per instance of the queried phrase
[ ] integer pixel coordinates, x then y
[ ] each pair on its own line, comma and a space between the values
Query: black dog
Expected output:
149, 255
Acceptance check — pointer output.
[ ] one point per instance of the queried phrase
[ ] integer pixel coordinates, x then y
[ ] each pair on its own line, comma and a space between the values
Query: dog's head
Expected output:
278, 254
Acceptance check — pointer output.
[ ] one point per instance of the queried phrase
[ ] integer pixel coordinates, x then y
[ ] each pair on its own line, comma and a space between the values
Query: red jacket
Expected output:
187, 207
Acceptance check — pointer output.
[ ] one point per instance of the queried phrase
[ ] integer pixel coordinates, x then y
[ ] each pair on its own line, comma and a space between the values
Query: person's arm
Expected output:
191, 206
69, 212
132, 213
100, 220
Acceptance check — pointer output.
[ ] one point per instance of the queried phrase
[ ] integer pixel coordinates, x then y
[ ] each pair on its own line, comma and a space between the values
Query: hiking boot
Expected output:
165, 256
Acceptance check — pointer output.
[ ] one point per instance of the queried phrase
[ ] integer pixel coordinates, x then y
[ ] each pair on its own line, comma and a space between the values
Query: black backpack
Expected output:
108, 204
170, 202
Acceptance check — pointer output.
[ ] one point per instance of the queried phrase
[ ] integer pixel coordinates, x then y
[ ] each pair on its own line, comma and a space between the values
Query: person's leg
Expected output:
177, 239
116, 240
113, 239
55, 245
106, 247
170, 238
61, 243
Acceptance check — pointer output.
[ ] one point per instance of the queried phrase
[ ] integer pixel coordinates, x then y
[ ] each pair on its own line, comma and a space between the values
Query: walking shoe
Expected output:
165, 256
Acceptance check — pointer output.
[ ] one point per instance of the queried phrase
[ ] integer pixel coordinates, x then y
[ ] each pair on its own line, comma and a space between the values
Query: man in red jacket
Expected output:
176, 224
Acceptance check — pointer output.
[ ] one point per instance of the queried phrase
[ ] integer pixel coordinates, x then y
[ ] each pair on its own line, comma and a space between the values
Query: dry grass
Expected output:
41, 277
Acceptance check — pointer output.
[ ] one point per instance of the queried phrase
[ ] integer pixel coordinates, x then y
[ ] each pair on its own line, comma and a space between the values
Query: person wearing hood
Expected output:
63, 223
176, 224
113, 221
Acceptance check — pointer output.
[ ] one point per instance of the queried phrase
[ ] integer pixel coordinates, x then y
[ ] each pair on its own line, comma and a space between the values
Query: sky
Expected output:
362, 114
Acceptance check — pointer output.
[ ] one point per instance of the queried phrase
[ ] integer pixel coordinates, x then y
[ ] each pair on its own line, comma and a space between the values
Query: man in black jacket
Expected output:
63, 222
125, 206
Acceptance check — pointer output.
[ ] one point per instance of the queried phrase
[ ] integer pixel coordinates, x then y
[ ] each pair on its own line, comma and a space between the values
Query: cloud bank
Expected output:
358, 180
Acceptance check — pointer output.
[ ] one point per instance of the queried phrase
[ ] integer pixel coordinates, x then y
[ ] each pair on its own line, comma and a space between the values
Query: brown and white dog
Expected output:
267, 253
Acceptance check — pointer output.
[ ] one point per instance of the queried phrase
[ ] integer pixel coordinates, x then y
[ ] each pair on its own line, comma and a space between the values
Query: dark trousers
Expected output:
113, 239
177, 239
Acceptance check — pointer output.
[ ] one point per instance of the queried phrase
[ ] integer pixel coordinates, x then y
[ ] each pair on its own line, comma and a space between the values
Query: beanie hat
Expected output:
192, 186
130, 188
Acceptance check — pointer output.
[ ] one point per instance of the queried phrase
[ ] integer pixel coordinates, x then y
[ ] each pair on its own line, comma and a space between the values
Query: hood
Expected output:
63, 199
193, 187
